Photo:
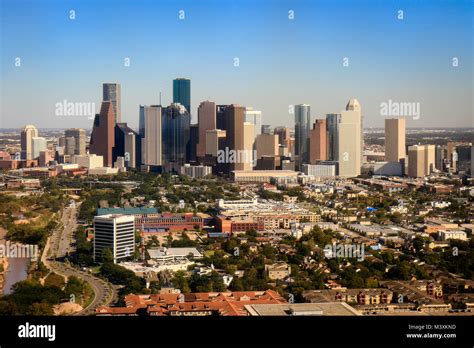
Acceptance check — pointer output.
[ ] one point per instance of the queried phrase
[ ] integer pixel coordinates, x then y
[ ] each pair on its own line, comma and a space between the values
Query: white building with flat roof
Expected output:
116, 233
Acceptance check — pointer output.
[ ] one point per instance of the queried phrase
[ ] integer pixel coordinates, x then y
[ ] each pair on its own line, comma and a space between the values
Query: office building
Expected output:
44, 158
266, 129
151, 135
103, 133
395, 140
206, 122
196, 171
452, 156
191, 155
27, 134
463, 163
260, 176
215, 141
345, 139
79, 136
175, 122
353, 105
125, 145
254, 117
302, 127
112, 92
332, 127
235, 119
89, 161
116, 233
320, 170
317, 142
249, 144
182, 93
440, 156
267, 145
283, 135
421, 160
38, 144
68, 144
388, 168
221, 120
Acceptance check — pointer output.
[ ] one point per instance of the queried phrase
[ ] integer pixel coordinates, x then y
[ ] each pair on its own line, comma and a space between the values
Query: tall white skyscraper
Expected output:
27, 134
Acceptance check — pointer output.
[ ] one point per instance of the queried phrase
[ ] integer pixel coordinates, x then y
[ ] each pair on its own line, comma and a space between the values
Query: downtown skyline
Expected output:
282, 62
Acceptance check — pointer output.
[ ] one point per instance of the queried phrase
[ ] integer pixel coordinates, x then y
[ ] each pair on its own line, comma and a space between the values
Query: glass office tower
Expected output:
302, 127
176, 122
182, 92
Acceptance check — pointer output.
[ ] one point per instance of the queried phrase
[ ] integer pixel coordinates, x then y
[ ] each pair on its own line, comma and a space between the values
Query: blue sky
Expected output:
282, 61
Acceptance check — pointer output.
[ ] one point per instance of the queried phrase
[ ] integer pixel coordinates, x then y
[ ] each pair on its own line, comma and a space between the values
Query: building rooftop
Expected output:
127, 211
301, 309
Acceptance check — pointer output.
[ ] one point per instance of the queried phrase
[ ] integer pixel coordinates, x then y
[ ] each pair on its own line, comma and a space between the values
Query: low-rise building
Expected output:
192, 304
278, 271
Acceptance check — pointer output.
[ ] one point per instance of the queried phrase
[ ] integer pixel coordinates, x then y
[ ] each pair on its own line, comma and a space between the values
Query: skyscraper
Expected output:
421, 160
112, 92
302, 126
350, 140
332, 127
206, 121
191, 152
102, 138
395, 139
79, 135
353, 105
254, 117
215, 141
221, 121
69, 145
38, 144
267, 145
125, 144
182, 93
27, 134
248, 160
317, 142
283, 135
175, 122
151, 135
235, 119
345, 139
440, 157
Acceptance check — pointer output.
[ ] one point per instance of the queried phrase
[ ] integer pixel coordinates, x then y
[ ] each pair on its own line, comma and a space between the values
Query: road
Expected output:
59, 245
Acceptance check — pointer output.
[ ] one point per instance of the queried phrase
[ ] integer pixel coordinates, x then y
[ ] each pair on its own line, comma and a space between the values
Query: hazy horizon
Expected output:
282, 61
